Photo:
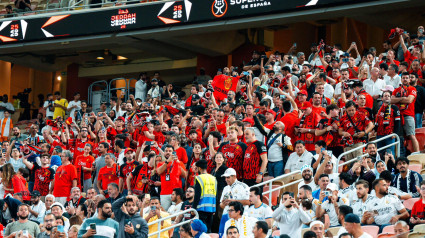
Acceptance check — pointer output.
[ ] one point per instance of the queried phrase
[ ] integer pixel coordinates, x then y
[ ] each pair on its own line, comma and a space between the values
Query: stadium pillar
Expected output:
5, 73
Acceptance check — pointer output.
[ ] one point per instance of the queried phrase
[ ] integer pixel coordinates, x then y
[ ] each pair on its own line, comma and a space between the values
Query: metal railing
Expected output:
158, 222
396, 143
279, 178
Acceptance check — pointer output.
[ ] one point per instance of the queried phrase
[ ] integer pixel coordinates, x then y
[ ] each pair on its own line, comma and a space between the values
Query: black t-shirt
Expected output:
198, 109
256, 62
420, 97
187, 205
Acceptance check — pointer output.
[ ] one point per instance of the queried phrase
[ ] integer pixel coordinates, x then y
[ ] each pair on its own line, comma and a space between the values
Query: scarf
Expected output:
245, 229
387, 113
407, 181
301, 124
402, 93
5, 128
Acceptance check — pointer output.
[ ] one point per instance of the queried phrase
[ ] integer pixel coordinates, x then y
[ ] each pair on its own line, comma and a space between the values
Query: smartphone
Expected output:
295, 44
153, 208
174, 153
321, 150
127, 222
61, 228
92, 226
328, 193
25, 233
245, 73
148, 142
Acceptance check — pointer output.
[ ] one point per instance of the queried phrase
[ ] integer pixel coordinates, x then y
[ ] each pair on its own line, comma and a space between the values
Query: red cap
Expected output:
249, 120
128, 150
121, 118
303, 92
321, 67
271, 111
305, 105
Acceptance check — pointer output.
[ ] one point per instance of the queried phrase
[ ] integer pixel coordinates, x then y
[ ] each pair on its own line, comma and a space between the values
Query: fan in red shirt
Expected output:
354, 128
138, 179
270, 115
65, 178
194, 138
125, 170
306, 126
327, 129
192, 170
181, 152
108, 174
171, 172
43, 175
418, 210
213, 144
159, 136
255, 159
219, 124
233, 151
319, 103
404, 97
133, 136
388, 117
390, 58
76, 146
289, 118
84, 163
101, 137
359, 90
14, 182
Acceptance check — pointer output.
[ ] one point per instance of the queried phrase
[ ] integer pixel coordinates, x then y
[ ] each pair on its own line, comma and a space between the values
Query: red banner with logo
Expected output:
222, 84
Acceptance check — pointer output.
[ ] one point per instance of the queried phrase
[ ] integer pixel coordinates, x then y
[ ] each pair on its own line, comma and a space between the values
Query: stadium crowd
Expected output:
109, 171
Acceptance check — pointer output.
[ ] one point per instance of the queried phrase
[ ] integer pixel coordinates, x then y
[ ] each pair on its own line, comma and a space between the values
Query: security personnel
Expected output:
205, 194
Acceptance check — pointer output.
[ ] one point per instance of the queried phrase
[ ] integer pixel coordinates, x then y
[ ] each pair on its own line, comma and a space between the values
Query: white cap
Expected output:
332, 187
229, 172
58, 204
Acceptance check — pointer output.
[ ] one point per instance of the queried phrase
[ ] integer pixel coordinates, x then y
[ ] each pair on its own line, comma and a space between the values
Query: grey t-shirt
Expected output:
30, 226
99, 163
43, 235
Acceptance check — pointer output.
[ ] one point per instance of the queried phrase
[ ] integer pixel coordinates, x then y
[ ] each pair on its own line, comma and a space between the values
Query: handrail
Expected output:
270, 183
396, 143
159, 231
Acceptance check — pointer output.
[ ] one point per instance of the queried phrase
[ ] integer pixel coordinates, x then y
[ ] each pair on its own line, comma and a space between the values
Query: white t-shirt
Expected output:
350, 193
295, 162
8, 106
71, 104
374, 88
245, 225
359, 207
312, 185
387, 207
330, 209
40, 208
238, 191
262, 212
48, 112
174, 208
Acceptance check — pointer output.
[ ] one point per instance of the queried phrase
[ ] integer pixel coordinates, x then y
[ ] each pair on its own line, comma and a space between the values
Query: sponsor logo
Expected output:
219, 8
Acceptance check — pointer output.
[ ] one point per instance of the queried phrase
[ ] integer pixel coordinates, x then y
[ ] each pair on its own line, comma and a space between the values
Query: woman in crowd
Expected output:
185, 231
73, 231
193, 172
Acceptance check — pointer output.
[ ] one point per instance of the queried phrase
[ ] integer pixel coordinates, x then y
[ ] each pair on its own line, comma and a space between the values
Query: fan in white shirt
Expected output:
344, 210
258, 209
363, 198
177, 201
392, 78
331, 205
352, 225
307, 175
384, 208
245, 224
346, 189
374, 84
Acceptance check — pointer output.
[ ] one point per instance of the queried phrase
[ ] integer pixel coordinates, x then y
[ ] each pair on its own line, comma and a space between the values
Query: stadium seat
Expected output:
388, 229
265, 200
267, 178
415, 167
416, 156
408, 204
371, 230
334, 230
275, 194
213, 235
276, 233
419, 228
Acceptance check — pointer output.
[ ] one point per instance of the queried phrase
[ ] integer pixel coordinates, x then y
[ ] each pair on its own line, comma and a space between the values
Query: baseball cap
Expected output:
388, 88
249, 120
357, 83
305, 105
35, 193
121, 118
58, 149
59, 205
229, 172
332, 187
304, 92
271, 111
305, 167
352, 218
195, 97
128, 150
264, 87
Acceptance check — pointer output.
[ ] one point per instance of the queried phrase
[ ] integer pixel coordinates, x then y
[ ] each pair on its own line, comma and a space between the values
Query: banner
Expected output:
222, 84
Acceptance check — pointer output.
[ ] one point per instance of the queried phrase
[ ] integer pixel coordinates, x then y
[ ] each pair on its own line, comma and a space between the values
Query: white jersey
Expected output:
237, 191
349, 193
391, 190
312, 185
359, 207
245, 225
387, 207
262, 212
330, 209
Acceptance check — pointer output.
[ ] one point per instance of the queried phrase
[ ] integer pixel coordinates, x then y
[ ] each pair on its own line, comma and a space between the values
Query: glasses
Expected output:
423, 189
83, 130
231, 210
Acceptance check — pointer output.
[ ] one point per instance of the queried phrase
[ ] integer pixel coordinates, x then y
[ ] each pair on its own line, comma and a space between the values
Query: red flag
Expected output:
222, 84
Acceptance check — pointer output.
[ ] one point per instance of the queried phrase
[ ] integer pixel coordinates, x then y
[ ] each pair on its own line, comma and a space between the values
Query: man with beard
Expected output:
105, 226
38, 209
100, 161
156, 213
278, 147
187, 204
363, 197
22, 223
420, 97
383, 209
76, 199
17, 136
155, 91
298, 158
49, 221
387, 121
290, 216
131, 224
404, 97
407, 180
307, 175
328, 130
65, 178
307, 126
196, 107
